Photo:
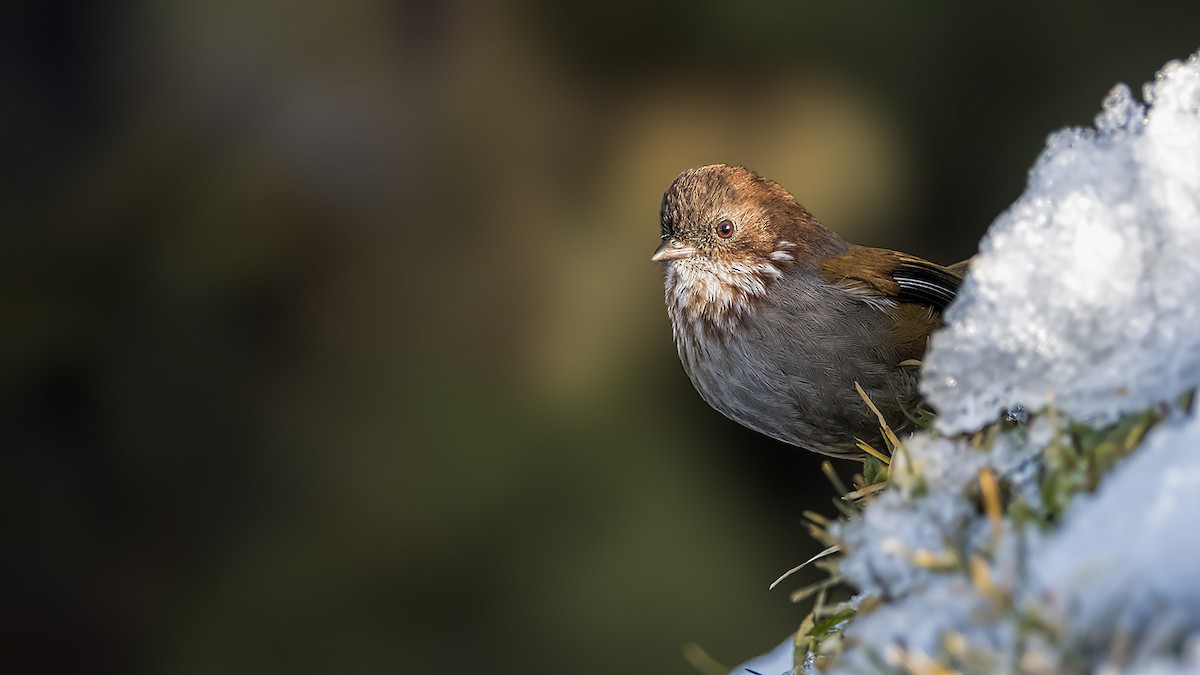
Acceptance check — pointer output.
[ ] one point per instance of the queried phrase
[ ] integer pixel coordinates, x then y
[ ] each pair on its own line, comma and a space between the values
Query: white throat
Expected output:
706, 295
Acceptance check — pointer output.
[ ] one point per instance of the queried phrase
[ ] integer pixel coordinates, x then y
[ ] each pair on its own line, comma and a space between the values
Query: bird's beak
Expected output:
672, 249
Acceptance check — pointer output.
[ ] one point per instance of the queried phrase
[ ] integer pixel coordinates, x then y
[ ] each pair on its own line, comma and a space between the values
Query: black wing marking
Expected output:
924, 283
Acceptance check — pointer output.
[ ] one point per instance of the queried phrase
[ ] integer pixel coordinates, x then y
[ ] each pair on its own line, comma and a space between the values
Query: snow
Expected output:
778, 661
916, 629
1086, 289
928, 504
907, 543
1128, 555
1125, 562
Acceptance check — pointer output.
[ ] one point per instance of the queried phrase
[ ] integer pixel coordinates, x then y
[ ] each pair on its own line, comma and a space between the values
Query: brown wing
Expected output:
924, 283
920, 289
890, 275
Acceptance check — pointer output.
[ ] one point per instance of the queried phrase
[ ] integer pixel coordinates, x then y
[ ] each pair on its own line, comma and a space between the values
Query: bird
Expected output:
777, 318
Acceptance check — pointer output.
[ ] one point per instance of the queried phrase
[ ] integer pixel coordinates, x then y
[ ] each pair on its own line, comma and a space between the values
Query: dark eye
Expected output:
725, 229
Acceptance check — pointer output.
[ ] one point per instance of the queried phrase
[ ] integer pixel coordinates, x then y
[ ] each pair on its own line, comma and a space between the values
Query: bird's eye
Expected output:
725, 229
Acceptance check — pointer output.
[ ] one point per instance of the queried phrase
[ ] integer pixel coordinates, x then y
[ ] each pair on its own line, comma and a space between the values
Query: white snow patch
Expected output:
778, 661
1127, 558
918, 629
927, 508
1123, 569
1086, 288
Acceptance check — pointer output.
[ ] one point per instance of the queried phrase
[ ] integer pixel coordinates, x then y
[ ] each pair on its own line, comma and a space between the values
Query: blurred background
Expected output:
331, 341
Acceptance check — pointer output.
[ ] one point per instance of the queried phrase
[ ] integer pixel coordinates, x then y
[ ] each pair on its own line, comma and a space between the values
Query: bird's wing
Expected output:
924, 283
882, 275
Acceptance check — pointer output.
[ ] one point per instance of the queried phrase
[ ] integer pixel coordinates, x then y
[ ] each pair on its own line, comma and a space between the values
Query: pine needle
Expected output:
807, 591
838, 485
866, 447
887, 430
699, 659
829, 551
990, 490
816, 518
981, 576
868, 490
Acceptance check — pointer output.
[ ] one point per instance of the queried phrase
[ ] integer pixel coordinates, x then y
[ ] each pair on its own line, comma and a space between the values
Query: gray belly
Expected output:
791, 373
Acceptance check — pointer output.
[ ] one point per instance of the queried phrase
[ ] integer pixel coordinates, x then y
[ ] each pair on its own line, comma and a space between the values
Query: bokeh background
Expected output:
331, 343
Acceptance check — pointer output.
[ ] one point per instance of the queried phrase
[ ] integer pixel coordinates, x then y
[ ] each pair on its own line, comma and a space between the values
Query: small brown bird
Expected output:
776, 317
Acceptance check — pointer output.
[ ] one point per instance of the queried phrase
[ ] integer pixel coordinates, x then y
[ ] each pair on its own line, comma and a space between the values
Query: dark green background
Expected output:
331, 342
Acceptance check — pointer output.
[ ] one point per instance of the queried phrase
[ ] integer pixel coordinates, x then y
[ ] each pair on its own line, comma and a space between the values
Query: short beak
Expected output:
672, 249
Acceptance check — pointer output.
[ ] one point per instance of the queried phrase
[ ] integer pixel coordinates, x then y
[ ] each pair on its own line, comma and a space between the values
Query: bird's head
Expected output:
728, 234
724, 213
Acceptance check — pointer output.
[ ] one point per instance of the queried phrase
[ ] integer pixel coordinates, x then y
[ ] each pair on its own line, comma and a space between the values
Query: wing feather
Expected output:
891, 276
924, 283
